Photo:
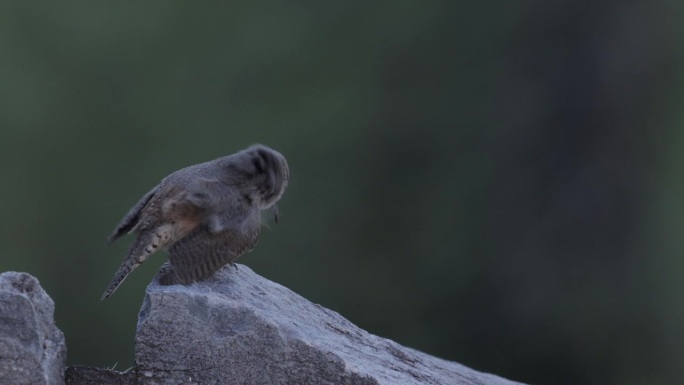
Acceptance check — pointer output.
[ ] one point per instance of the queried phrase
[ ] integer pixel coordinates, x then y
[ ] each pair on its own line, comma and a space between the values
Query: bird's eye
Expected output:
199, 195
247, 198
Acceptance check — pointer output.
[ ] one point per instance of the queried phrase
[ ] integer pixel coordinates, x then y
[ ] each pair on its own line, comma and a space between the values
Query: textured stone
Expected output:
84, 375
32, 349
239, 328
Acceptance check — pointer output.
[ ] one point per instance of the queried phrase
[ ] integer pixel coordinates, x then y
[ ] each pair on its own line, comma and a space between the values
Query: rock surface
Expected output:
84, 375
32, 349
239, 328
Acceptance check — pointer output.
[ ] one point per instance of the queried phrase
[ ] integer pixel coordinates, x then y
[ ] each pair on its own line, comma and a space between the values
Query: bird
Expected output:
204, 216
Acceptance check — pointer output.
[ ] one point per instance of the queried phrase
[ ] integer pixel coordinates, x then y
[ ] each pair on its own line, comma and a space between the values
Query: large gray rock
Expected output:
239, 328
32, 349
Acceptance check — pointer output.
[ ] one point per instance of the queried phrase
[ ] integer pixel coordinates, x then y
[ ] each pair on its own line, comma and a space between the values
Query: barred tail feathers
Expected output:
147, 244
126, 268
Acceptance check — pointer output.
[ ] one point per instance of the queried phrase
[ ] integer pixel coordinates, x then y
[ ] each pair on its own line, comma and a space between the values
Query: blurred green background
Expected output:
495, 183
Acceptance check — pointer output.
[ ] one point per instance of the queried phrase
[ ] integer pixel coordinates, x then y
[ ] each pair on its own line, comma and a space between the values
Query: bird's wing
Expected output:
131, 218
224, 207
229, 227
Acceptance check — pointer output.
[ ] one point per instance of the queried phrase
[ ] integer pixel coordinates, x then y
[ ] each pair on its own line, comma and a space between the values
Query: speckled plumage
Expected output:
205, 216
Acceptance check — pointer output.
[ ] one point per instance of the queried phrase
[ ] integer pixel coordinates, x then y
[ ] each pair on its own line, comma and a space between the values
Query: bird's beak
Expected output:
275, 213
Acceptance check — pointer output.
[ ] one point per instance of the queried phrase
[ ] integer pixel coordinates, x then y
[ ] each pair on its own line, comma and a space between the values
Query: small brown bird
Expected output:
205, 216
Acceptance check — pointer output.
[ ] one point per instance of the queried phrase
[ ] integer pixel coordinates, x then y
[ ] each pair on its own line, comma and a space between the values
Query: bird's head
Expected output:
266, 174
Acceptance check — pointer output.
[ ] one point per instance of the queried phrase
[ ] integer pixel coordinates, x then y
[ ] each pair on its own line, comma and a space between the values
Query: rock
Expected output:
32, 349
84, 375
239, 328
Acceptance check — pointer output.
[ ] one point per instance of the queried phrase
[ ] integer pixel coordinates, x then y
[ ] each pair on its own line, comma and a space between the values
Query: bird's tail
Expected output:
126, 267
138, 253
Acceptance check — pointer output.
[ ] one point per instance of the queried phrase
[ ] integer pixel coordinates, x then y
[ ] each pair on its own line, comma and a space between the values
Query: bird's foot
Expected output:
167, 276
